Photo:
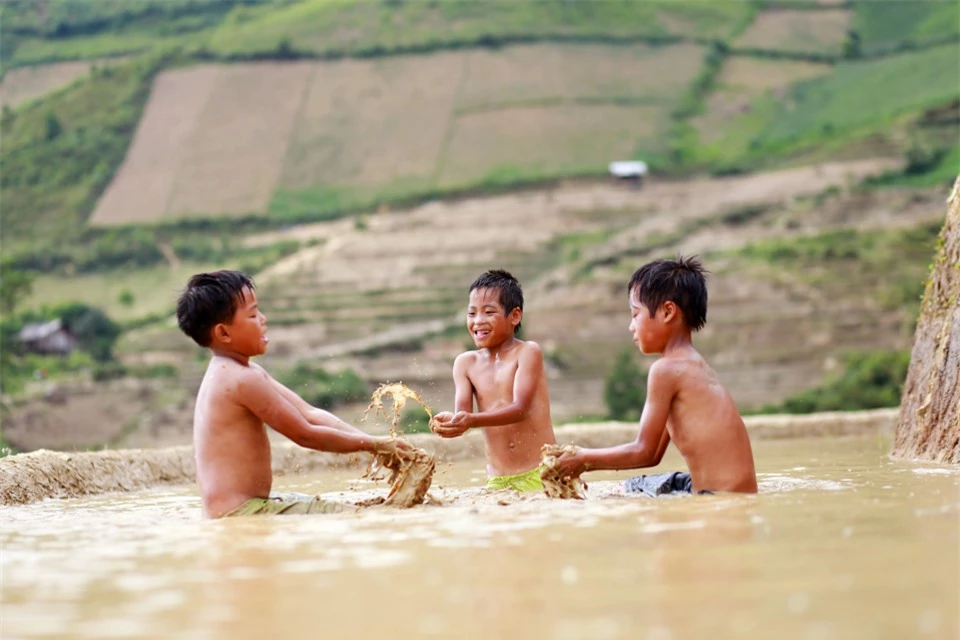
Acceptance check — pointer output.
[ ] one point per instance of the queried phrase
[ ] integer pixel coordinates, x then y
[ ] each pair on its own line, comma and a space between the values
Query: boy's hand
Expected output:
571, 465
389, 445
447, 425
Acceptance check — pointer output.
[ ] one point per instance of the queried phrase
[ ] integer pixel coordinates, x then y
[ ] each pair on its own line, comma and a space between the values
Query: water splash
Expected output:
399, 393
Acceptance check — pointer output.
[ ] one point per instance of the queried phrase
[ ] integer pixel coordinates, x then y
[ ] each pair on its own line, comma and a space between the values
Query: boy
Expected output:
219, 311
686, 402
507, 378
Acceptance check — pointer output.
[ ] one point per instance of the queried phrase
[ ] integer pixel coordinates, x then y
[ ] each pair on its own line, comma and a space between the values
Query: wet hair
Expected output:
208, 300
680, 281
511, 295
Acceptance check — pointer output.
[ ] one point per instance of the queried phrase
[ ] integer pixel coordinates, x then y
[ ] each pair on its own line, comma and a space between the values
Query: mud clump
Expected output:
555, 486
411, 472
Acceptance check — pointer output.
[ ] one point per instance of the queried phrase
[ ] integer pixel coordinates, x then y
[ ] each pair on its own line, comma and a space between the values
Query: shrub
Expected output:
413, 419
625, 389
870, 380
323, 389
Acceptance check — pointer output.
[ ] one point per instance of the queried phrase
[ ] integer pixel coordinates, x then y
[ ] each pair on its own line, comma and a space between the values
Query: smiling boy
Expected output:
505, 376
237, 397
686, 401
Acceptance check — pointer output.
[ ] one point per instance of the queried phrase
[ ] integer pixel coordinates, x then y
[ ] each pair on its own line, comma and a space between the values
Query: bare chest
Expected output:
494, 380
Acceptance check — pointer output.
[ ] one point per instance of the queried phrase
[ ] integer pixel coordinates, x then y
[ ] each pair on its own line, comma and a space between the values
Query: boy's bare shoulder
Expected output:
465, 358
529, 346
231, 375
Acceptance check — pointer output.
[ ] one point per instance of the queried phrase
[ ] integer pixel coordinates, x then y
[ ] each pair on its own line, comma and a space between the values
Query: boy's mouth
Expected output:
480, 334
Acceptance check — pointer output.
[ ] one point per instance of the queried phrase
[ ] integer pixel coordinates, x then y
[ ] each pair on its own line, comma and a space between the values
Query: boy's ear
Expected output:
515, 316
670, 310
220, 333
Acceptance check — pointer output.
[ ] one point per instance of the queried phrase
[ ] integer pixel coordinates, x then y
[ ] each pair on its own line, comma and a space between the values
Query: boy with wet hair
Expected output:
686, 402
237, 397
505, 376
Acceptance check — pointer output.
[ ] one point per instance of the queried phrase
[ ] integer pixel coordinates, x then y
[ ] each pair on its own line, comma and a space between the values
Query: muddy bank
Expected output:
44, 474
929, 427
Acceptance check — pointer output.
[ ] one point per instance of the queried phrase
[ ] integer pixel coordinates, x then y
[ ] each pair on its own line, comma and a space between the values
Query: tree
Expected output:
851, 46
95, 332
14, 287
51, 127
625, 389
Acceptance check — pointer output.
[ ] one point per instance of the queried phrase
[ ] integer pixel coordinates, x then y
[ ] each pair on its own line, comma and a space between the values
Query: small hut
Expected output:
632, 171
51, 338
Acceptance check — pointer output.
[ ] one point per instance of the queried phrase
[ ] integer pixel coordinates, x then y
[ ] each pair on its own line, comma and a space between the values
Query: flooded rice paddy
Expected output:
841, 543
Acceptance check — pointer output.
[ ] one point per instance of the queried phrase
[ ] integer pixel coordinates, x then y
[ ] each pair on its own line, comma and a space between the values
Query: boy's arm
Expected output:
462, 401
651, 443
312, 414
525, 383
255, 391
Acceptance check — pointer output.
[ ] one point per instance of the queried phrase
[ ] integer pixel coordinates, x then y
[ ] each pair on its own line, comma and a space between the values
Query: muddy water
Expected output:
841, 543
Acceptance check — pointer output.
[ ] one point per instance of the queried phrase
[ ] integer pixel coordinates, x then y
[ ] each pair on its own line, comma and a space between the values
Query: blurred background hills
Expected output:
365, 160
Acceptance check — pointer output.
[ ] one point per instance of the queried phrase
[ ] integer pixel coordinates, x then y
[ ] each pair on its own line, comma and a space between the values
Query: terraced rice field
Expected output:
798, 31
317, 136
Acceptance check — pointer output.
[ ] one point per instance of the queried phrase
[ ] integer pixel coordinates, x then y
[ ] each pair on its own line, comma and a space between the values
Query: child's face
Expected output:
488, 325
648, 333
248, 327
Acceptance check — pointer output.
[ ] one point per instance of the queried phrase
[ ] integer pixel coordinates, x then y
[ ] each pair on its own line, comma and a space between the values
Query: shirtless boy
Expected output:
237, 397
686, 402
507, 379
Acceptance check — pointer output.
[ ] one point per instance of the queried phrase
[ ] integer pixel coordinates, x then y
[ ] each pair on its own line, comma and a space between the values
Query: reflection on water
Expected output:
840, 543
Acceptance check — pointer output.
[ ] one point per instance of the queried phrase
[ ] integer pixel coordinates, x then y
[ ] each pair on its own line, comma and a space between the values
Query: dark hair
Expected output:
511, 295
680, 281
208, 300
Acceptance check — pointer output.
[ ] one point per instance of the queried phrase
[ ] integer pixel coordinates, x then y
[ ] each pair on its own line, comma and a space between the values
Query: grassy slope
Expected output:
60, 153
888, 25
858, 100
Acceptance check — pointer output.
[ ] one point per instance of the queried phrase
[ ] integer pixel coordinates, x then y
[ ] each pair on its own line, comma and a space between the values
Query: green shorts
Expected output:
285, 504
526, 481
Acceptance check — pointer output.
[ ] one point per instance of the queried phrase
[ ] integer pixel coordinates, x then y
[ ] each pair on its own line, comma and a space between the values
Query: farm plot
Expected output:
534, 142
235, 165
798, 31
370, 123
547, 72
142, 187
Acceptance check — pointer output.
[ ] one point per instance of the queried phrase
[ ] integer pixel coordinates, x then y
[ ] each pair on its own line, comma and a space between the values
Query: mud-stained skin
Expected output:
566, 488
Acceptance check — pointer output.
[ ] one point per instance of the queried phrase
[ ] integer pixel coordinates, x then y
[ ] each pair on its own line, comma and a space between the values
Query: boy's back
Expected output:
686, 402
220, 311
231, 445
705, 425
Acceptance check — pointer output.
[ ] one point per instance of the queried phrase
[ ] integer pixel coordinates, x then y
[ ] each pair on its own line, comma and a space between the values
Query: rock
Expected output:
929, 424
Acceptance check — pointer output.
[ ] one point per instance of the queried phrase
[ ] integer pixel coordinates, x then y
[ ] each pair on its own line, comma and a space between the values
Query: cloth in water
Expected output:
661, 483
285, 504
526, 481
